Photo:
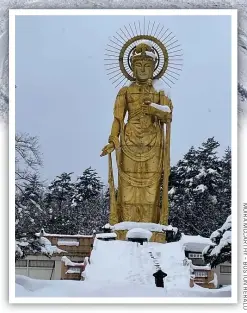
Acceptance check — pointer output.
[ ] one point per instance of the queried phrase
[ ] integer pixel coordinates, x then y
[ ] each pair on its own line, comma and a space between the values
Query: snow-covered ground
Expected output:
27, 287
125, 269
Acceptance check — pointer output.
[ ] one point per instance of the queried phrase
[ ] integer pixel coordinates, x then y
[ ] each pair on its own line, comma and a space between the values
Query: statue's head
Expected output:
143, 62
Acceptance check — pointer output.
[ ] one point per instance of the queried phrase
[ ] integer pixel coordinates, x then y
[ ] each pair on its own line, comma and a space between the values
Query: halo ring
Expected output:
150, 38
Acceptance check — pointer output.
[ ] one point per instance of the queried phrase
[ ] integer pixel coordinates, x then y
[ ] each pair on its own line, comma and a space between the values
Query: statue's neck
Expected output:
146, 83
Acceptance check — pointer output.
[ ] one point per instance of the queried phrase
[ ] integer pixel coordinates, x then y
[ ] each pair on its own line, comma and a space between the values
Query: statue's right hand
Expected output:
107, 149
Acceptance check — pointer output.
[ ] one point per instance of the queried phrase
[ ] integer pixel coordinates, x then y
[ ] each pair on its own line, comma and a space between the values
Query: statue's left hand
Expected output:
108, 149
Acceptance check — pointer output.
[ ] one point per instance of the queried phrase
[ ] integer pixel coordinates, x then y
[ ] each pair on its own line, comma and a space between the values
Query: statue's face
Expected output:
143, 70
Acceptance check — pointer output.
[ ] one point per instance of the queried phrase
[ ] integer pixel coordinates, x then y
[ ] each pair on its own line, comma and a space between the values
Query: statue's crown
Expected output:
143, 50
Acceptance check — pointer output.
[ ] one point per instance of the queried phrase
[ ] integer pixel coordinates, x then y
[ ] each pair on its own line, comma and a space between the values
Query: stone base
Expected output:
156, 236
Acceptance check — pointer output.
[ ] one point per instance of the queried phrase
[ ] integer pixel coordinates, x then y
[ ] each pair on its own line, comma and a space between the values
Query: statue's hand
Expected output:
107, 149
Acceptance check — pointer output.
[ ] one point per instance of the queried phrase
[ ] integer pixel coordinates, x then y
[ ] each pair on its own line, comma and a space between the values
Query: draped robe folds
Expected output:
140, 157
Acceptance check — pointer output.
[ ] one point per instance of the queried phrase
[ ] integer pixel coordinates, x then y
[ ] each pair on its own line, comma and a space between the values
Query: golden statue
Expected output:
142, 143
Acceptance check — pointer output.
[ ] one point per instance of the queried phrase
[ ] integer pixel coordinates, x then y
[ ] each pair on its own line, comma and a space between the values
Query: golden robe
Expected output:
140, 156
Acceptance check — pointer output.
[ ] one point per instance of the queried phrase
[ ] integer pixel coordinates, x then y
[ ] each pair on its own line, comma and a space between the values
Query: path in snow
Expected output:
130, 262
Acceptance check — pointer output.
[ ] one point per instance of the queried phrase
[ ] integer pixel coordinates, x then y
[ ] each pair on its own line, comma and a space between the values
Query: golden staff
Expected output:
113, 202
166, 164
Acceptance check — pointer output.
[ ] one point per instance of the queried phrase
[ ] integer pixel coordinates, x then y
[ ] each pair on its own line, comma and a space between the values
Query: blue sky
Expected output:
64, 97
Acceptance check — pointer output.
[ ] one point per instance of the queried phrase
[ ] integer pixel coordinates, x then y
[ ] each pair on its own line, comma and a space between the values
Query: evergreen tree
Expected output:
76, 207
87, 187
224, 190
95, 215
182, 214
29, 212
58, 204
29, 216
196, 205
85, 201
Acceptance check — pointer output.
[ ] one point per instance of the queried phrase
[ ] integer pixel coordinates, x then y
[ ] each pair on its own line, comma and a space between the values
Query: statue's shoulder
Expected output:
122, 91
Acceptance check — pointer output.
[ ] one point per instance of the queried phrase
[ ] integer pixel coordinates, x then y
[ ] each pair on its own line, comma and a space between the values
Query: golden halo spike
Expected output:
169, 40
136, 29
148, 27
140, 27
131, 30
156, 29
152, 28
171, 75
163, 34
124, 34
160, 32
170, 44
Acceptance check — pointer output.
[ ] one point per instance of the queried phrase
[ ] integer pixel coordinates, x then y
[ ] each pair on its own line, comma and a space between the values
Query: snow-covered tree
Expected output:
35, 245
106, 203
197, 203
74, 207
87, 187
181, 198
29, 211
27, 159
224, 188
95, 215
220, 251
58, 203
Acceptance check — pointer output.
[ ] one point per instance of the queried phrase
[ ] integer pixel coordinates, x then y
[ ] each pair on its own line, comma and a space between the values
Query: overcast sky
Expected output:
64, 97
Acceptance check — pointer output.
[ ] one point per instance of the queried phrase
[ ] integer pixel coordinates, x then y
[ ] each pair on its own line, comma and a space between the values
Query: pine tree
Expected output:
58, 204
87, 187
182, 203
224, 190
87, 191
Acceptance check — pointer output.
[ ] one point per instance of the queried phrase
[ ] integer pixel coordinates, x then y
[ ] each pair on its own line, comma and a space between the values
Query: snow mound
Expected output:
29, 283
195, 243
139, 233
67, 262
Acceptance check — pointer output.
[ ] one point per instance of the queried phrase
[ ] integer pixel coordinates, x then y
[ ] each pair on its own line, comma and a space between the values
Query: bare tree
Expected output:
27, 158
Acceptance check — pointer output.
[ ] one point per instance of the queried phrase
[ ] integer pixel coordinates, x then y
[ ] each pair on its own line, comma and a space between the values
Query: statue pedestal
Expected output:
156, 236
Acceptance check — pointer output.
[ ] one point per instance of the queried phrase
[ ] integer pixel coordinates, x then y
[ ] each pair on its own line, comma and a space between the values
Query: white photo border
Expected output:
234, 127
